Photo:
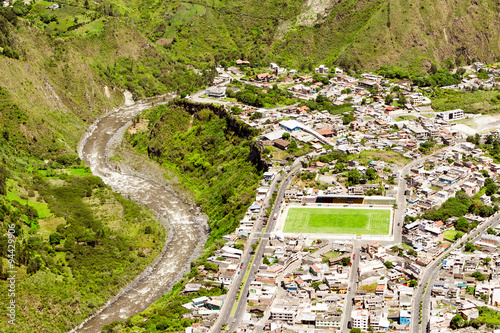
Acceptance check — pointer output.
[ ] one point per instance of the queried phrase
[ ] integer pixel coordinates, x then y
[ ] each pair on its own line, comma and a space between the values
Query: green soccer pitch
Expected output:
337, 221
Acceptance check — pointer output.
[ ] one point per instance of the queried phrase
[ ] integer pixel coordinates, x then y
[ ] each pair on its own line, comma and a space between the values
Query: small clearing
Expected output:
140, 126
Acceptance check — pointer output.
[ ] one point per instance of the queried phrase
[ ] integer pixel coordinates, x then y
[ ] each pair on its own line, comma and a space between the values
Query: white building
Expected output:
217, 92
360, 319
283, 314
451, 115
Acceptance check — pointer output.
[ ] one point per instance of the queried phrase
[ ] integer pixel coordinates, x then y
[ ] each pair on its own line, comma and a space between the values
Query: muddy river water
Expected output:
186, 226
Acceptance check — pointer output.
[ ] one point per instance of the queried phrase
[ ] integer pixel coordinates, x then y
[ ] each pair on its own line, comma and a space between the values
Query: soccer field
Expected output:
338, 221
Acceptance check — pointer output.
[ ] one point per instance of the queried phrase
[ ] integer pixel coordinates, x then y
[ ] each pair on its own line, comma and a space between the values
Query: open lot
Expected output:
337, 221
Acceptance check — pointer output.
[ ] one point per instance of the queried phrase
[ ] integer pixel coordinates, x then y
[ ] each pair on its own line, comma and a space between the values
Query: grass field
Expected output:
450, 235
337, 221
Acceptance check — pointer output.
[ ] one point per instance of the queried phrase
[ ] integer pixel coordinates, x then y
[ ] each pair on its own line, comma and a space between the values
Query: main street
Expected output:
431, 273
353, 286
225, 316
259, 254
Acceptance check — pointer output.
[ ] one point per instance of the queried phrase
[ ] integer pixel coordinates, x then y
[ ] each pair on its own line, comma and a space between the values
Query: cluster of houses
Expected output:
308, 288
440, 176
466, 282
302, 283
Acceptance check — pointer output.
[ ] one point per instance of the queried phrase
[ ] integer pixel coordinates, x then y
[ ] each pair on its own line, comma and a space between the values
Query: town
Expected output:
413, 244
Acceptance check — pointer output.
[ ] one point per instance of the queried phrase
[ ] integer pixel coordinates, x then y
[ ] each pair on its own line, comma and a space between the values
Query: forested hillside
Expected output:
76, 242
213, 155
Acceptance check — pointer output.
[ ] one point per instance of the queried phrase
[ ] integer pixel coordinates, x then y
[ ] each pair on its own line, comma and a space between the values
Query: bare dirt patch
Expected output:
141, 126
315, 11
481, 124
164, 41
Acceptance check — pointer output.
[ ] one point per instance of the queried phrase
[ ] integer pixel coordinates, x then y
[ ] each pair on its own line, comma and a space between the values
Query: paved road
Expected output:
240, 310
353, 286
225, 314
431, 273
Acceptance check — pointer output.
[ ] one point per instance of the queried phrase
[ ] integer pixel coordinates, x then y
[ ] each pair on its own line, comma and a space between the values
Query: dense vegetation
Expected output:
442, 77
458, 206
470, 101
75, 241
210, 157
75, 238
270, 97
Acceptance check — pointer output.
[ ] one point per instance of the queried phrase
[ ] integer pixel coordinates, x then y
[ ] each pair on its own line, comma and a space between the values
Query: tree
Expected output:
388, 264
339, 167
316, 284
471, 139
34, 265
469, 247
388, 99
211, 267
462, 224
491, 189
371, 174
55, 238
266, 261
433, 69
355, 330
353, 177
479, 276
484, 173
285, 136
490, 231
457, 236
345, 261
456, 322
413, 283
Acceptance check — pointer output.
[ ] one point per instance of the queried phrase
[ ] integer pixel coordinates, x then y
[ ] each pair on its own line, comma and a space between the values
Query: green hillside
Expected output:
351, 33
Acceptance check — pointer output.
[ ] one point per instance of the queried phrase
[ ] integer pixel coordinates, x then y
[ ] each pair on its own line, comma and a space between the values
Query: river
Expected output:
184, 223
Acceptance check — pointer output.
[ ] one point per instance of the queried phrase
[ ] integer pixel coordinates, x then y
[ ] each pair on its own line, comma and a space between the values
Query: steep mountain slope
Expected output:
297, 32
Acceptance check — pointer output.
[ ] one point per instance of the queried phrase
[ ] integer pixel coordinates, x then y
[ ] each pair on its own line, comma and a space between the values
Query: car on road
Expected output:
275, 216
